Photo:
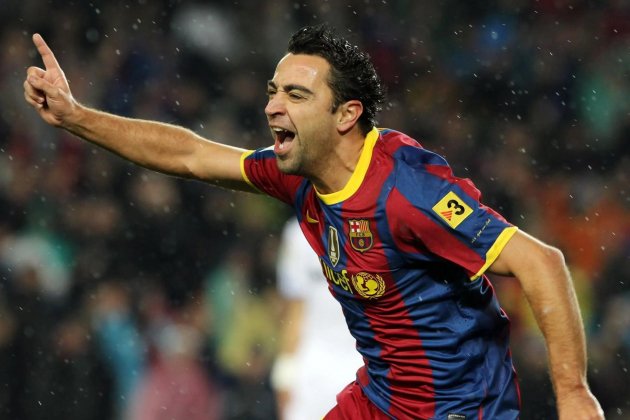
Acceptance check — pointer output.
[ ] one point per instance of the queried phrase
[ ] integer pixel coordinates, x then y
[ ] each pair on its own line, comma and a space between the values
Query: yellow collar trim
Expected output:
358, 175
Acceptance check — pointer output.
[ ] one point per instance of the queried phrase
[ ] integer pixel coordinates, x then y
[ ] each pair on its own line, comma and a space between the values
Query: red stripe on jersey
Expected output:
258, 166
435, 237
312, 223
410, 375
446, 173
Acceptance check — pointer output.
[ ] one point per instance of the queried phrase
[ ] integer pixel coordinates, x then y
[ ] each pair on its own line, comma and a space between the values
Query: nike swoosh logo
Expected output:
310, 219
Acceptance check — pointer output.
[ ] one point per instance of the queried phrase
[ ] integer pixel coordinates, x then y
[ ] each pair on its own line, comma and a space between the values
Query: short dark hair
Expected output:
352, 74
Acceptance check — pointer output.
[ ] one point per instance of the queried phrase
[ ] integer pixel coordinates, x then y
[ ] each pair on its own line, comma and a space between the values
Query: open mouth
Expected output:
283, 138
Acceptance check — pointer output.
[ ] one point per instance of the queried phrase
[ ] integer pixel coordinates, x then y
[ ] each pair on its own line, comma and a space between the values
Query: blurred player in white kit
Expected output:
317, 356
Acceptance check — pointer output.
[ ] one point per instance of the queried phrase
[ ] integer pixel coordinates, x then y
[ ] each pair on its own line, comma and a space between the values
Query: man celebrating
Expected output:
403, 243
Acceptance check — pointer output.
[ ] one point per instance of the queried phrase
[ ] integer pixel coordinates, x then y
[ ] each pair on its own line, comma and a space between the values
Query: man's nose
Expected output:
275, 105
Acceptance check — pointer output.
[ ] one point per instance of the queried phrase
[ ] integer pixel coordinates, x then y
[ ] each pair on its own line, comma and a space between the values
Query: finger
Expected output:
34, 103
41, 84
50, 62
34, 94
35, 71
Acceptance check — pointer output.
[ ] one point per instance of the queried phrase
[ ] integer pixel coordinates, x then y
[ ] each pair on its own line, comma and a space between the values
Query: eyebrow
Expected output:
271, 84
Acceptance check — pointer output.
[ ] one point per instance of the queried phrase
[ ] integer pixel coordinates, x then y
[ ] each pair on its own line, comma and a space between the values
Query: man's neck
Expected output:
338, 169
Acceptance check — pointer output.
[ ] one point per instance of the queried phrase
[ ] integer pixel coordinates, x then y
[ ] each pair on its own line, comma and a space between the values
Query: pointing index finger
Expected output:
50, 62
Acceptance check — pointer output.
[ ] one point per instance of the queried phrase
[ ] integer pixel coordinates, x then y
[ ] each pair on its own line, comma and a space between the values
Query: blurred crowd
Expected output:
126, 294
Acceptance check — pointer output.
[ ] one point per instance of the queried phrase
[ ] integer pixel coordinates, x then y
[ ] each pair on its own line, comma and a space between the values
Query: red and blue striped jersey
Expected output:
404, 247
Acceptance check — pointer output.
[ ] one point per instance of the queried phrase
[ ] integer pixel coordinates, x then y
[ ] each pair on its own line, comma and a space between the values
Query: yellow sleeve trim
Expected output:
495, 250
243, 173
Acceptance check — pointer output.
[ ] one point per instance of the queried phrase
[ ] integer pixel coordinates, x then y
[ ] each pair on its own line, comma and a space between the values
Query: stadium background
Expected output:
115, 279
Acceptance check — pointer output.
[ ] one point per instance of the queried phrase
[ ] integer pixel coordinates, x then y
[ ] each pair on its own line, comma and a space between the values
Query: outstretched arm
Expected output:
548, 288
162, 147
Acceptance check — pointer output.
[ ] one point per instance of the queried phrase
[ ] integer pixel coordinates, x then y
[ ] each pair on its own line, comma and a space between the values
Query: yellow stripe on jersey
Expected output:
496, 249
243, 173
359, 172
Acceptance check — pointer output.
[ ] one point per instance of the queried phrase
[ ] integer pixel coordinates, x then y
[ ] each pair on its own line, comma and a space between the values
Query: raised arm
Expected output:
162, 147
548, 288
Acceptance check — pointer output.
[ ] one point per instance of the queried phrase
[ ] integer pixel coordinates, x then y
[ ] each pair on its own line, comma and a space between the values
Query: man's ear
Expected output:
348, 115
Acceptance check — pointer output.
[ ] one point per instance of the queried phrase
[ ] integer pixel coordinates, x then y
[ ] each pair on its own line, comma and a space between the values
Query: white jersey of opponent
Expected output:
326, 358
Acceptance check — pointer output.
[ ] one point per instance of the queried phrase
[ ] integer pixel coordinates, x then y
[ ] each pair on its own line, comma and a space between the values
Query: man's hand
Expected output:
580, 404
47, 89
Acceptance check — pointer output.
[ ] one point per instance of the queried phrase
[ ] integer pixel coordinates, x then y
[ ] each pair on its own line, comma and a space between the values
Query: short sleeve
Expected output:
260, 170
444, 216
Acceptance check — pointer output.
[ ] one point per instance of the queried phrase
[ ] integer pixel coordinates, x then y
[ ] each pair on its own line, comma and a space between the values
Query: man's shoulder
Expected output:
395, 139
408, 152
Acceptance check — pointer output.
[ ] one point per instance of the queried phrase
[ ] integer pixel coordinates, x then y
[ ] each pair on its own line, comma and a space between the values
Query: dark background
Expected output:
124, 291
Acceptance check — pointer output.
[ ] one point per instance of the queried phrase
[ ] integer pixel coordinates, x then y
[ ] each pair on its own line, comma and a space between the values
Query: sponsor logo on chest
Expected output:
361, 239
367, 285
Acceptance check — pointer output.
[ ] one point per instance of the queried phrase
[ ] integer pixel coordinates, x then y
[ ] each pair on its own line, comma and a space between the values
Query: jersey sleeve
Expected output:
260, 170
444, 216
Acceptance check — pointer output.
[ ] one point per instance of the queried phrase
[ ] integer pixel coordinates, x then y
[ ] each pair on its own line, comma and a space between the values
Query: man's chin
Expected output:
287, 166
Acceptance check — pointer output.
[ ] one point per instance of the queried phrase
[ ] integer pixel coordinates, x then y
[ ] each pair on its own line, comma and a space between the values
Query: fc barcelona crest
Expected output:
360, 235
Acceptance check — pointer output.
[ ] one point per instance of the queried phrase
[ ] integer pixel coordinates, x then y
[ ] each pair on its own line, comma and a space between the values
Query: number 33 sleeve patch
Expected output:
452, 209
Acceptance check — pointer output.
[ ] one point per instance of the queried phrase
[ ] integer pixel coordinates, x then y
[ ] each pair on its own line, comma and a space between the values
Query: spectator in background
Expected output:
176, 385
610, 352
118, 337
9, 370
244, 335
317, 357
78, 373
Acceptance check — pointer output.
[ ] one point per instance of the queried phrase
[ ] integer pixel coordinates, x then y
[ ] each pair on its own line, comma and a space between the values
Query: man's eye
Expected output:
294, 95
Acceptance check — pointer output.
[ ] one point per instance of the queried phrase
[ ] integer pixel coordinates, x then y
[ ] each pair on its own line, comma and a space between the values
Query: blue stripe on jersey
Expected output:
264, 153
383, 398
418, 157
434, 189
300, 197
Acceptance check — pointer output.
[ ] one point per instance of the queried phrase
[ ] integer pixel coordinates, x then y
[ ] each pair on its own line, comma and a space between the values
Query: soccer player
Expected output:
403, 243
318, 356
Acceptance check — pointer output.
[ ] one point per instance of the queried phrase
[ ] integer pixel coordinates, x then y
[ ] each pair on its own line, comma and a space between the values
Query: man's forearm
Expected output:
158, 146
548, 288
162, 147
151, 144
555, 307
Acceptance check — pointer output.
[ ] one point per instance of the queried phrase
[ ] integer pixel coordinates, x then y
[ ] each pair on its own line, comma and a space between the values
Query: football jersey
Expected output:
404, 247
325, 352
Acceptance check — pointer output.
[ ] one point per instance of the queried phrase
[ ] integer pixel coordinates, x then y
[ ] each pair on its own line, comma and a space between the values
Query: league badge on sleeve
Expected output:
452, 209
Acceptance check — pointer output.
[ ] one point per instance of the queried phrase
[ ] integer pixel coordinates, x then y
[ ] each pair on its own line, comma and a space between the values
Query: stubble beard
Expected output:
290, 166
295, 162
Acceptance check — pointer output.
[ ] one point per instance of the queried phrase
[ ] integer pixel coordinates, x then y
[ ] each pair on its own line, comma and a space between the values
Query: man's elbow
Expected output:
551, 258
